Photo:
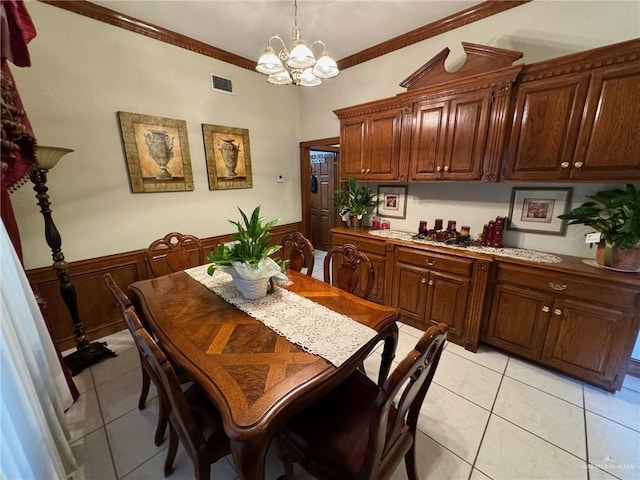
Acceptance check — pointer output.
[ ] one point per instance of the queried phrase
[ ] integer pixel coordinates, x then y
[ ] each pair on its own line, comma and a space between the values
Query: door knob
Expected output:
565, 164
545, 309
438, 168
446, 168
424, 280
430, 282
578, 164
557, 311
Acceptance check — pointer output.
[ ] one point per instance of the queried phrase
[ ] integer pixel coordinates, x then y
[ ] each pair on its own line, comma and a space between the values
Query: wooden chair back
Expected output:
348, 268
299, 251
172, 253
121, 298
361, 431
203, 449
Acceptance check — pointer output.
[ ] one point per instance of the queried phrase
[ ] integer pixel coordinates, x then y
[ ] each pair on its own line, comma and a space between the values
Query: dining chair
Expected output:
299, 251
125, 303
359, 430
345, 266
174, 252
193, 419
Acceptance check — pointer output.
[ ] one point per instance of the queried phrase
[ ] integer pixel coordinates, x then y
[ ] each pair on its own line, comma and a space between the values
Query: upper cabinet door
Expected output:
428, 139
609, 140
382, 145
352, 135
546, 121
467, 135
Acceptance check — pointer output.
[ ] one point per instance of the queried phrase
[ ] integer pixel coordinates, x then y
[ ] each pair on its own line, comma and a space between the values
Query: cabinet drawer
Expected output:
364, 244
569, 286
435, 261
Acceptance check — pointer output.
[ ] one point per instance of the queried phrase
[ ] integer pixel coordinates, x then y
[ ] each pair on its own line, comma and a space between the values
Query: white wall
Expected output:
83, 72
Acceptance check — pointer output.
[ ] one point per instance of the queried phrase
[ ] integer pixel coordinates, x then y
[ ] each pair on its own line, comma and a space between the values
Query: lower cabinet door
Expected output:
410, 292
586, 341
518, 320
447, 303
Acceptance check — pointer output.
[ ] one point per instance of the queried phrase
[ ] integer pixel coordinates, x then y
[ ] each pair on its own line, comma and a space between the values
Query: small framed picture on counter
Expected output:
536, 210
392, 201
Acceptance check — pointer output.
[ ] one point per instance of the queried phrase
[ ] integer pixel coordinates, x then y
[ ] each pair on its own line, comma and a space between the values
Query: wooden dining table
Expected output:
257, 379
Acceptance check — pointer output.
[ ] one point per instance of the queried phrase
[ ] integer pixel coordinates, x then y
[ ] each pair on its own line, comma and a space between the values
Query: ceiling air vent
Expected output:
221, 84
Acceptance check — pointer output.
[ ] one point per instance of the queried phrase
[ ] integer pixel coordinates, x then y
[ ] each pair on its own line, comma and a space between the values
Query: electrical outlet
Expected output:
280, 178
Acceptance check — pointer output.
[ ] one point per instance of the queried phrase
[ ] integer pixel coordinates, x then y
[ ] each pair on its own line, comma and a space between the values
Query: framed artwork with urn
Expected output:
157, 153
228, 157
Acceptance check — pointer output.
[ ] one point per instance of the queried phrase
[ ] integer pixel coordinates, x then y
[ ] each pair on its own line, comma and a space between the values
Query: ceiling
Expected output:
243, 27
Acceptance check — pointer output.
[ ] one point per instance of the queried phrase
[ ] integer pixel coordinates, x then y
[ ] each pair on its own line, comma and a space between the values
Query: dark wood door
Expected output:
428, 139
466, 136
546, 121
609, 140
323, 165
382, 145
352, 144
410, 292
518, 320
586, 340
447, 303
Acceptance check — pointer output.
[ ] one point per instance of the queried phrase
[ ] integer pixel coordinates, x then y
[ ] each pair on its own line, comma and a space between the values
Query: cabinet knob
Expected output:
565, 164
431, 263
545, 309
438, 168
558, 286
362, 170
430, 282
557, 311
368, 170
424, 280
578, 164
446, 168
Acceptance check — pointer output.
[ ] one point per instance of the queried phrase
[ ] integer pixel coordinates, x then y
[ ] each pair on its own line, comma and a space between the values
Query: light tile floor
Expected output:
487, 416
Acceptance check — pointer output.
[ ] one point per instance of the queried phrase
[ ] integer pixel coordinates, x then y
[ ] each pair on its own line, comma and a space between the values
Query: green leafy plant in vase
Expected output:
354, 202
248, 260
615, 214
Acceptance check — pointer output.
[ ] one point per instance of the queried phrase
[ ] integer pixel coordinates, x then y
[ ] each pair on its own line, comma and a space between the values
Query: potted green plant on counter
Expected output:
248, 260
354, 202
615, 214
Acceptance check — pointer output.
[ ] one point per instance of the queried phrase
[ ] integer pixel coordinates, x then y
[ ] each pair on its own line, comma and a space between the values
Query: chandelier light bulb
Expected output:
308, 79
301, 56
325, 67
280, 78
269, 63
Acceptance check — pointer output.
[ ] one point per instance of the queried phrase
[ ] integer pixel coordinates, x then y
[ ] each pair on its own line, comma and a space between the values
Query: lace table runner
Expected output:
520, 253
314, 327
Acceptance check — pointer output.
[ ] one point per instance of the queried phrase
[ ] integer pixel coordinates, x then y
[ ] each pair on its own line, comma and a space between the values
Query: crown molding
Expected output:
106, 15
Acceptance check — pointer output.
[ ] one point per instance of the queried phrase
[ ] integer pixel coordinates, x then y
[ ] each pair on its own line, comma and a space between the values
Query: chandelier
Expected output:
304, 69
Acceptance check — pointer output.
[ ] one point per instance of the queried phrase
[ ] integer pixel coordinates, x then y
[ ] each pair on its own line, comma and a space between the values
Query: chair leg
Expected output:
286, 459
410, 462
203, 470
163, 420
171, 451
146, 382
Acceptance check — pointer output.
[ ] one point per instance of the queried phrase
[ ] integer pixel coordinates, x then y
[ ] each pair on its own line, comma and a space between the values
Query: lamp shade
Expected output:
280, 78
301, 56
269, 63
48, 157
308, 79
325, 67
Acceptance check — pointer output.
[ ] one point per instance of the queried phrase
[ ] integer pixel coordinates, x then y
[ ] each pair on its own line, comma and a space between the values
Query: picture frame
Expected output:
536, 210
228, 156
392, 201
157, 153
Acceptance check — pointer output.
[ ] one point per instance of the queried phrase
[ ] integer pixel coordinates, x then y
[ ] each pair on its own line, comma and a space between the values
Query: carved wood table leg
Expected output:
249, 457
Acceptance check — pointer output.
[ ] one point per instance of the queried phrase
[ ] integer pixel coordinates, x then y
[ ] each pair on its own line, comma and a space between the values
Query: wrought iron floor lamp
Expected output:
86, 353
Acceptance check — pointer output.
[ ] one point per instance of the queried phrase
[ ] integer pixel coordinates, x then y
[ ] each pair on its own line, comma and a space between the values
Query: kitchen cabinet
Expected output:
449, 136
430, 288
376, 250
575, 118
581, 325
370, 143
